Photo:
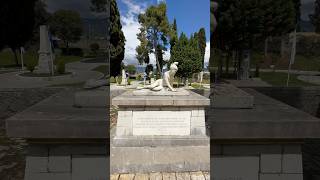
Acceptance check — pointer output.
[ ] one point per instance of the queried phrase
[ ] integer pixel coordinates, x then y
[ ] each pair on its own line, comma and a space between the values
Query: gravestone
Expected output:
124, 78
44, 63
165, 127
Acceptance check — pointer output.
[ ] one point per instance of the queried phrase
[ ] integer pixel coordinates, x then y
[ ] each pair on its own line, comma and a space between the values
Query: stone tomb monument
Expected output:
155, 122
44, 64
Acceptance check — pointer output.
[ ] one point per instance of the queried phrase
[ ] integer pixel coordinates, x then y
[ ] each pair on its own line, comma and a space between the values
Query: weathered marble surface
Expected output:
163, 92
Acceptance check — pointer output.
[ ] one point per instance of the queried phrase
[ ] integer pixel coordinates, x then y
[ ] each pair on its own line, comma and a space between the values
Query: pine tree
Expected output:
202, 43
187, 53
117, 40
173, 35
143, 49
157, 28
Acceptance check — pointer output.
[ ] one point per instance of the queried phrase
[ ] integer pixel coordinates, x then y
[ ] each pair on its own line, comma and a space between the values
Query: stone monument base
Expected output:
160, 132
97, 98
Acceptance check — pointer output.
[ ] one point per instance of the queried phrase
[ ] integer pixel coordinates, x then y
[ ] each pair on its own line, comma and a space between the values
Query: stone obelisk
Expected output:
44, 63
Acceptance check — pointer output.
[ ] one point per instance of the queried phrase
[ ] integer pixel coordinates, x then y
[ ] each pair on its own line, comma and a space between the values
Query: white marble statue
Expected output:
167, 80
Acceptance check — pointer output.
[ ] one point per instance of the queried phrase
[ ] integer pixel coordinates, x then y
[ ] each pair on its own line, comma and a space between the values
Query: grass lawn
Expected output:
67, 59
280, 79
305, 63
7, 58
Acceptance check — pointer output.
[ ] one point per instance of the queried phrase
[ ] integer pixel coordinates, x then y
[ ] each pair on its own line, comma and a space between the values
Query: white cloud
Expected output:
130, 28
160, 1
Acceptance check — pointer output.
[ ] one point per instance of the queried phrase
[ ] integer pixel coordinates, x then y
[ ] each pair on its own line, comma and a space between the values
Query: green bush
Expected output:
112, 80
131, 69
119, 79
139, 77
129, 81
31, 64
94, 47
61, 67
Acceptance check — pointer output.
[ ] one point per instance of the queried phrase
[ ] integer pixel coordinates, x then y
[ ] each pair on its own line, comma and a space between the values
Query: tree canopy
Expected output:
202, 42
66, 25
17, 22
155, 28
188, 54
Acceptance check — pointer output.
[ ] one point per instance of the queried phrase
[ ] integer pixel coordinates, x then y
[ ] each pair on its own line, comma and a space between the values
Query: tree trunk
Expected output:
227, 63
155, 45
14, 51
234, 59
266, 43
220, 65
283, 46
244, 72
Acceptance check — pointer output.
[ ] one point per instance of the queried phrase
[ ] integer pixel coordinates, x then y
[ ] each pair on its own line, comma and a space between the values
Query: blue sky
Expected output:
191, 15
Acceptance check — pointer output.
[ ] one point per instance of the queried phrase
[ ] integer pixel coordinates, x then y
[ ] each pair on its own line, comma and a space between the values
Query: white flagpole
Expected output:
293, 54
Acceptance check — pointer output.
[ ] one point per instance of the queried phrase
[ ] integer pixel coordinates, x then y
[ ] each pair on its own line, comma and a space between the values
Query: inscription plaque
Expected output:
161, 123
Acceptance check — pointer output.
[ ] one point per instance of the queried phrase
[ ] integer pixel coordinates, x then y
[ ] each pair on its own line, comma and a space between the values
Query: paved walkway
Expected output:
163, 176
80, 73
299, 72
254, 82
310, 79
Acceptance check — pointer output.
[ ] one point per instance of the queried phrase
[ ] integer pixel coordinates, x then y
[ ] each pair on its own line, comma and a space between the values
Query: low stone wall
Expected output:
264, 162
306, 99
67, 162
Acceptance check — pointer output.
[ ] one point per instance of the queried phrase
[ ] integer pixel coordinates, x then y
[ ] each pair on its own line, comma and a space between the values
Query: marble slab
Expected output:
164, 92
161, 123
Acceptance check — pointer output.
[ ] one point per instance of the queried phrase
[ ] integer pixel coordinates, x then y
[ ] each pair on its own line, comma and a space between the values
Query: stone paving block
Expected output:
270, 163
124, 121
60, 164
141, 177
197, 176
126, 177
197, 122
215, 149
47, 176
36, 164
168, 176
228, 167
292, 149
292, 177
292, 163
251, 149
126, 113
198, 131
270, 177
168, 109
206, 175
114, 176
89, 167
37, 150
93, 149
281, 177
195, 112
124, 131
183, 176
155, 176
